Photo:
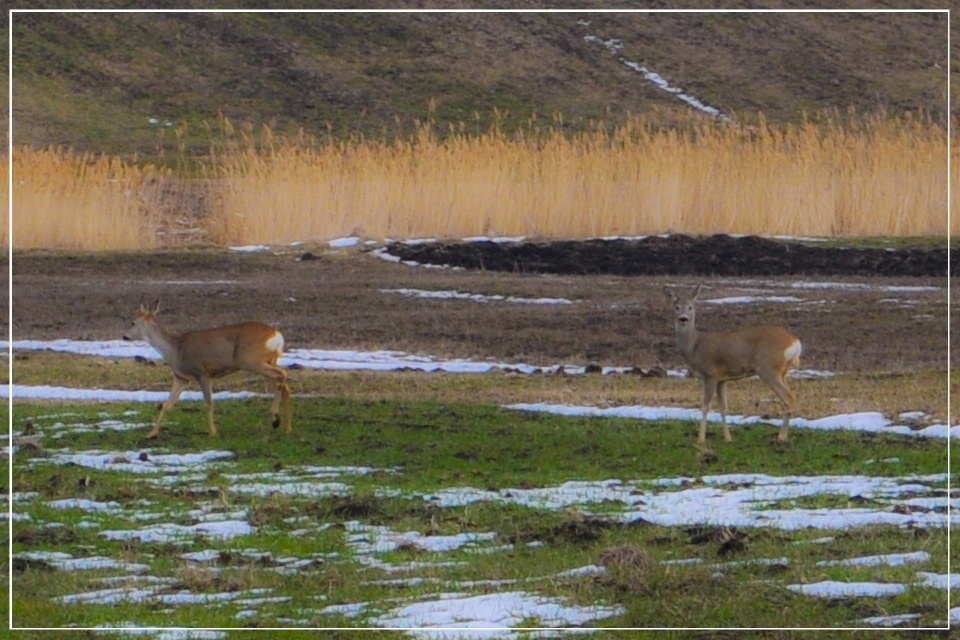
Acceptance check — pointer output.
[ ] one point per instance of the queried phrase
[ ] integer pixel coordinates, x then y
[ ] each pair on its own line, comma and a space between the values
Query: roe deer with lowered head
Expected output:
210, 353
767, 352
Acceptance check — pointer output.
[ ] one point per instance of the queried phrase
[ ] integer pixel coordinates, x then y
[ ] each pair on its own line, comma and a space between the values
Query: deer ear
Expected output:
156, 306
696, 292
667, 291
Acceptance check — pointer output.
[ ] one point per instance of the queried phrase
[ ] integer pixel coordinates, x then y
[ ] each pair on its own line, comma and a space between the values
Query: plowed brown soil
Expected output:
680, 255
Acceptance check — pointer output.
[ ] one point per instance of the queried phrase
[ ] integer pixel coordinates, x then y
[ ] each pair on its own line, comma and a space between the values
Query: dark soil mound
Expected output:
679, 255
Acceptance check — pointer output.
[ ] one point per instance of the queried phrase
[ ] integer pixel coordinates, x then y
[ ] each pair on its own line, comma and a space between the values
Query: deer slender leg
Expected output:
278, 378
709, 388
179, 384
287, 408
722, 396
778, 383
207, 388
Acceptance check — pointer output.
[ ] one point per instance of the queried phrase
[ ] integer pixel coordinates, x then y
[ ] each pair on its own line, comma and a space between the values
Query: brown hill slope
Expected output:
93, 81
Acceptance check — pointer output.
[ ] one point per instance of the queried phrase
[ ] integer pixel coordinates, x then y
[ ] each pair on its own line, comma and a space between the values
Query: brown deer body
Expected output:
765, 351
211, 353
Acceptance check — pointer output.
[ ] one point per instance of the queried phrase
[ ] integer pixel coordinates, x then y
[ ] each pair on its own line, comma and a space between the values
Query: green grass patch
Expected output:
438, 445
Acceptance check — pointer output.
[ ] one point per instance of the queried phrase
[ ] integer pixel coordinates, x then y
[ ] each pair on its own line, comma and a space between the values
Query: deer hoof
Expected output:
276, 422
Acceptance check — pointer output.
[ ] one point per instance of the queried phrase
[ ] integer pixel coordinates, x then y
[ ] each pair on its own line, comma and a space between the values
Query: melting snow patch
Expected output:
368, 539
115, 395
859, 286
810, 374
175, 532
566, 495
751, 299
492, 615
346, 360
108, 596
834, 589
614, 45
340, 243
890, 560
714, 504
86, 505
939, 580
900, 620
346, 610
130, 629
870, 421
137, 461
66, 562
302, 489
104, 425
251, 248
474, 297
496, 239
191, 282
105, 348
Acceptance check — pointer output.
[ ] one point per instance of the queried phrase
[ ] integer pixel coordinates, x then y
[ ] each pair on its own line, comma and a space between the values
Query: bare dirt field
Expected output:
349, 299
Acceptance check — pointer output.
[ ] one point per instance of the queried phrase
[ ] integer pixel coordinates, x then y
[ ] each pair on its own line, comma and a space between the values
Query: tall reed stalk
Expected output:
856, 178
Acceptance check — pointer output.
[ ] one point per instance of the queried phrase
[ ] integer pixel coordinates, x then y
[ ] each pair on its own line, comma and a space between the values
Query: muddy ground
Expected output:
335, 301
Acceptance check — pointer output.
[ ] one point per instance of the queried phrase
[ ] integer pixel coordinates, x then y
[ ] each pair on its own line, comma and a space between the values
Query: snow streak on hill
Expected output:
615, 46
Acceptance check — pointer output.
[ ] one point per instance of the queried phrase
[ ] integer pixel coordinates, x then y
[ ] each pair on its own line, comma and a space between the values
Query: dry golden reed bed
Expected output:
66, 200
857, 177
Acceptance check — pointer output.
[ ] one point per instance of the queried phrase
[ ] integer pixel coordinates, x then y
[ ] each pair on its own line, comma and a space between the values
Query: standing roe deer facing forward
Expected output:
717, 358
210, 353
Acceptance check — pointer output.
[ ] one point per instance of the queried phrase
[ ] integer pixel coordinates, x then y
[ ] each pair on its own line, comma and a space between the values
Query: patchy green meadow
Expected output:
370, 509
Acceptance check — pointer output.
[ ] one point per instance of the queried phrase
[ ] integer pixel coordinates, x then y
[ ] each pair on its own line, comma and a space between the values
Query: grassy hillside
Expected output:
93, 81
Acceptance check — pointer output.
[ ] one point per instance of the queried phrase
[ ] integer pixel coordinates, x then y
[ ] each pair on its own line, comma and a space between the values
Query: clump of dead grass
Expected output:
212, 579
628, 568
277, 507
626, 557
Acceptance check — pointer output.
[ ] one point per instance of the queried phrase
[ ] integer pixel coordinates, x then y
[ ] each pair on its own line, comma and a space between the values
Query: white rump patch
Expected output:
793, 351
275, 343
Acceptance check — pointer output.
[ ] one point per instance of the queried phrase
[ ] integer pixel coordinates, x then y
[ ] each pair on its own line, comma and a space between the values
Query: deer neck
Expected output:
686, 339
164, 341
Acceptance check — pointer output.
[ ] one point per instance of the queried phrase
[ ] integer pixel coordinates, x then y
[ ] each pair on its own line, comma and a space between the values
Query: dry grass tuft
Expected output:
410, 547
30, 446
626, 557
628, 568
276, 507
706, 456
198, 579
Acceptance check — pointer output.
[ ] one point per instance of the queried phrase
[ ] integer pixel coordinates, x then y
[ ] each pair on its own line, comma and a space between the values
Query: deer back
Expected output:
745, 351
221, 350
